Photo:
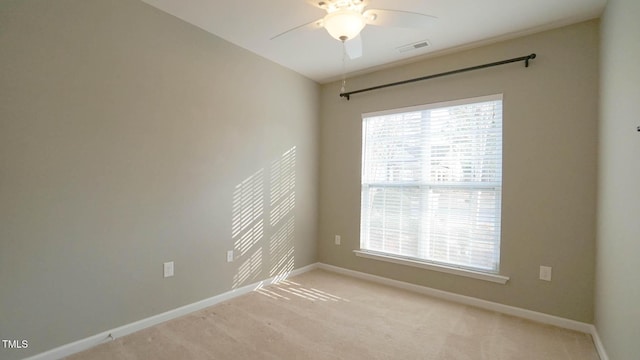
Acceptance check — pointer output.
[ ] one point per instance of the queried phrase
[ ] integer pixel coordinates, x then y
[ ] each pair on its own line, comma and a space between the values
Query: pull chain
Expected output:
344, 68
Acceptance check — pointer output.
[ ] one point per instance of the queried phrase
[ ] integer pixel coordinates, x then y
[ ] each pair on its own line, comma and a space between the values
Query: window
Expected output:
432, 183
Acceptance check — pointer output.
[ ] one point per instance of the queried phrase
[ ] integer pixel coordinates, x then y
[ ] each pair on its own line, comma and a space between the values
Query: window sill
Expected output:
500, 279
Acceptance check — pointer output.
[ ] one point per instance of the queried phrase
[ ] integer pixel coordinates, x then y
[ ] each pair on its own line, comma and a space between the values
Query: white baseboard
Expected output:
467, 300
484, 304
89, 342
598, 343
110, 335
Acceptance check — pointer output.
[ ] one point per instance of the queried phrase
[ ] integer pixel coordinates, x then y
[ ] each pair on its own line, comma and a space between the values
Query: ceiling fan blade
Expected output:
353, 47
397, 18
315, 24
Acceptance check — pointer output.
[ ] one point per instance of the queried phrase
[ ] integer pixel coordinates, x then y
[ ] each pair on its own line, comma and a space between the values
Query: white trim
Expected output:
496, 278
467, 300
598, 343
473, 100
110, 335
89, 342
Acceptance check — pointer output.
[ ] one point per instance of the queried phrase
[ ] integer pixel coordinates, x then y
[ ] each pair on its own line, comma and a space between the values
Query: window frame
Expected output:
452, 268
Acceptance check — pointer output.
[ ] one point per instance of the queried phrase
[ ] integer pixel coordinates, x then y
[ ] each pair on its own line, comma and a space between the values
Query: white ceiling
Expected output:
315, 54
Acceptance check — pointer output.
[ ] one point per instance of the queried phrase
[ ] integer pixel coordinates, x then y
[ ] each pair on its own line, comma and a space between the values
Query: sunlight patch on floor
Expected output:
286, 288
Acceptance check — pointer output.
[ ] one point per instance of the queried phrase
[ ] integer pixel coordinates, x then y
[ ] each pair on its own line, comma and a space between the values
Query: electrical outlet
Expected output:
230, 256
545, 273
338, 239
168, 269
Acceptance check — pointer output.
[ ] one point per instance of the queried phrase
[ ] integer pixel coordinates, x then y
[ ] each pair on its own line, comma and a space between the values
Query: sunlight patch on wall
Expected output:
249, 270
282, 217
250, 238
247, 228
248, 202
283, 181
281, 249
251, 228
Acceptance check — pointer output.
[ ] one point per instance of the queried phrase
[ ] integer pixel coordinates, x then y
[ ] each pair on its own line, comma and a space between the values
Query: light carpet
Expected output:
322, 315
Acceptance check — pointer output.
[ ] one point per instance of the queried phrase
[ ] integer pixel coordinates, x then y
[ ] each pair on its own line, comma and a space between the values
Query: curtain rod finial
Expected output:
530, 57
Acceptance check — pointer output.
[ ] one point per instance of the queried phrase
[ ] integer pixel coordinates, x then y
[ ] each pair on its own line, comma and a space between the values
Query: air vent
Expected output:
415, 46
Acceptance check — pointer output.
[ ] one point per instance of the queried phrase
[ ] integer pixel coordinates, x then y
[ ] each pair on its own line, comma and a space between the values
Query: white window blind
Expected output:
431, 183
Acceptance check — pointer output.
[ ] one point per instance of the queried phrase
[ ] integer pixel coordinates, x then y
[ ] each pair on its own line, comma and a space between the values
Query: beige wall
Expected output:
618, 267
550, 135
129, 138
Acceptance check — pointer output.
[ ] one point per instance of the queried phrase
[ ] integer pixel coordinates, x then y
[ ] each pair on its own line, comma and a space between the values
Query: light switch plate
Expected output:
168, 269
230, 256
545, 273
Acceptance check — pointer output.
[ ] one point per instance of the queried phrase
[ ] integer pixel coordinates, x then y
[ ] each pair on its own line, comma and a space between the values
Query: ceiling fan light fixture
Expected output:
344, 24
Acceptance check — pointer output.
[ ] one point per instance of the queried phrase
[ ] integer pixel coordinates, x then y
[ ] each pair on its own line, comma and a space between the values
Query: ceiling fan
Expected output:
346, 18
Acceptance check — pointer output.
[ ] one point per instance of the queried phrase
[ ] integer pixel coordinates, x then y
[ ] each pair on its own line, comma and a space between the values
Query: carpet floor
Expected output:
322, 315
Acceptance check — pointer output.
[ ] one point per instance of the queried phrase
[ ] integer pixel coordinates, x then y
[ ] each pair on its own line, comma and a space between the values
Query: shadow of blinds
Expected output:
254, 220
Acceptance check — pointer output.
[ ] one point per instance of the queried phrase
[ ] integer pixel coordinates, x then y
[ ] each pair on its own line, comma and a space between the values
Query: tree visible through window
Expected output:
432, 183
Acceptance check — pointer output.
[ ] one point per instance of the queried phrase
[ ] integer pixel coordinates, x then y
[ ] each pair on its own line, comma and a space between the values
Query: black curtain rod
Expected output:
522, 58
